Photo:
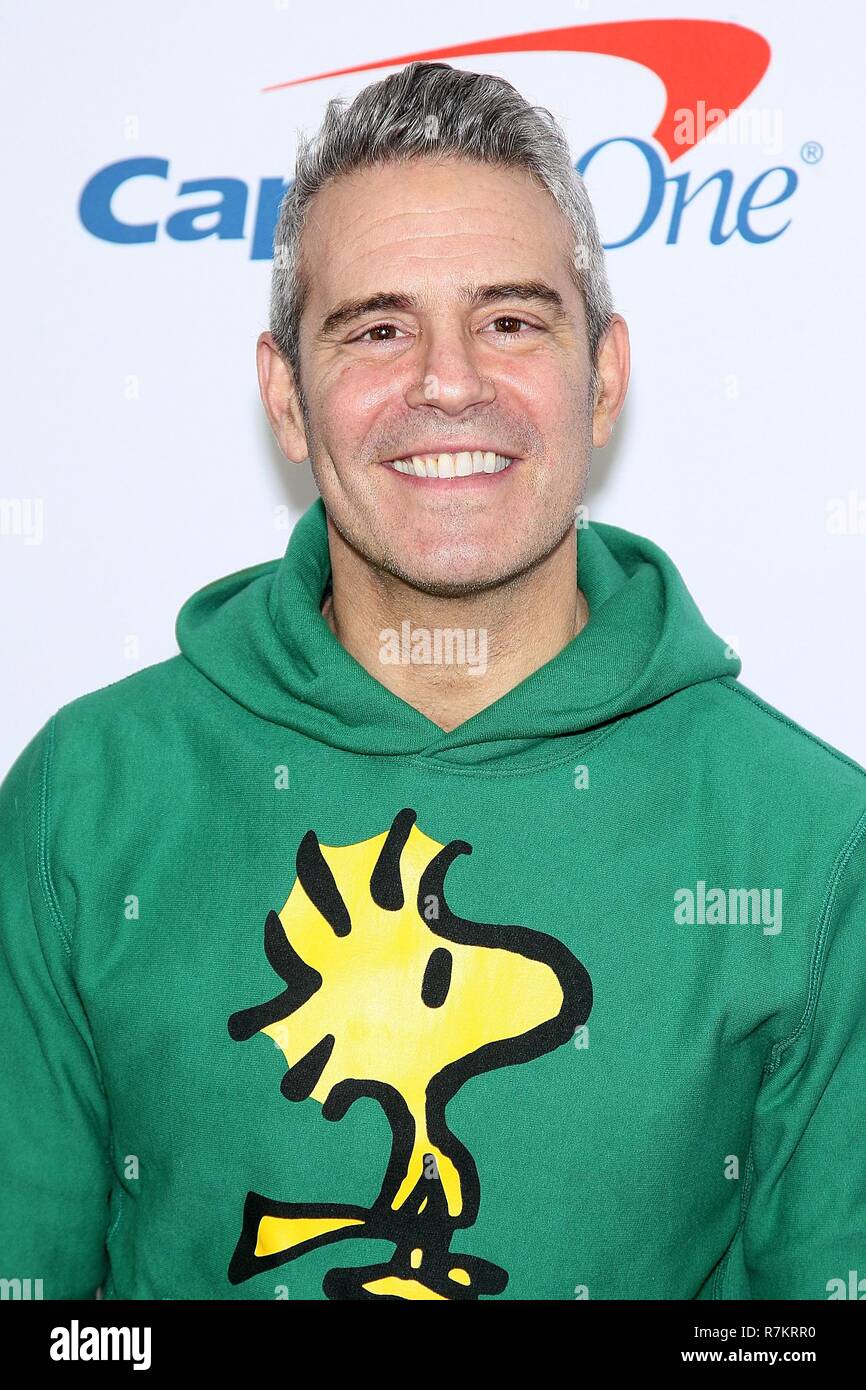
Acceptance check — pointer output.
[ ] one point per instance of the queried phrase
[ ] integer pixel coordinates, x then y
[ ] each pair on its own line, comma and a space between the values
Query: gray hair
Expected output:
429, 110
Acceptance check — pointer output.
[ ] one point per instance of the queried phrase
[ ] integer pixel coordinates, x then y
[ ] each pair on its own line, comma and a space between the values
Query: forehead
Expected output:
430, 221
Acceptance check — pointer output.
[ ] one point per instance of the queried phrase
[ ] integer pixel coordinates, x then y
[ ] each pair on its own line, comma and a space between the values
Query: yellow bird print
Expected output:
390, 994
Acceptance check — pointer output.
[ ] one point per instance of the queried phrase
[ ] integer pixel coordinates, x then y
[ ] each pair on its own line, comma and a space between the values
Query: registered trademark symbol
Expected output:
812, 152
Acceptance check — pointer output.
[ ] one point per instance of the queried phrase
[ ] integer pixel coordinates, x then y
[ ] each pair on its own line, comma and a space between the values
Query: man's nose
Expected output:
450, 374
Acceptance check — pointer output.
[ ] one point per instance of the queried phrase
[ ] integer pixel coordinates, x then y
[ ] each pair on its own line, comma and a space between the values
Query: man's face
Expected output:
438, 373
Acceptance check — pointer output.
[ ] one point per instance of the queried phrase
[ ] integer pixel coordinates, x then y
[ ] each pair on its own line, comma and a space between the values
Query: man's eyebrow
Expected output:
475, 296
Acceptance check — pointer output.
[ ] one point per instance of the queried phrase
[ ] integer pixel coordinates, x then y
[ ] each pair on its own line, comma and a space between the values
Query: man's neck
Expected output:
451, 657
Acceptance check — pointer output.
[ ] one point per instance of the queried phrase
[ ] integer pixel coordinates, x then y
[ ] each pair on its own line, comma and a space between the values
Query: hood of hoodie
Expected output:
259, 635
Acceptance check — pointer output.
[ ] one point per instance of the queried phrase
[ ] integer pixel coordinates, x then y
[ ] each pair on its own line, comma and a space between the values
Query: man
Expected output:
445, 920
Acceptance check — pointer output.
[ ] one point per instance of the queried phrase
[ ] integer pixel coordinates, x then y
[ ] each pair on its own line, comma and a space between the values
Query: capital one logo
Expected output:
708, 68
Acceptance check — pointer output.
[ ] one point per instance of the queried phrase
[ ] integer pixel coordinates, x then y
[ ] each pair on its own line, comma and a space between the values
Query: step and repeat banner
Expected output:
146, 149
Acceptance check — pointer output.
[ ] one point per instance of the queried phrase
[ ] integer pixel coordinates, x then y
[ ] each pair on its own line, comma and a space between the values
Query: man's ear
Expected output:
614, 365
280, 399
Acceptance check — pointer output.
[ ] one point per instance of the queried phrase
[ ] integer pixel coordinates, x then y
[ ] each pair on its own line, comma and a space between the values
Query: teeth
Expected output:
452, 465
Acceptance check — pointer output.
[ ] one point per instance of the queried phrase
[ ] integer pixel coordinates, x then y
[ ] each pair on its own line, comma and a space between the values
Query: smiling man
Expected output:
340, 963
452, 388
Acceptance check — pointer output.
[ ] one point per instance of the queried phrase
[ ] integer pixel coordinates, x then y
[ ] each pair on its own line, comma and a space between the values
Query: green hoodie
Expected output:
306, 998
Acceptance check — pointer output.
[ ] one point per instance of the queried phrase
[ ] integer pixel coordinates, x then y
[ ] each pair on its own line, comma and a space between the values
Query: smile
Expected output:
460, 465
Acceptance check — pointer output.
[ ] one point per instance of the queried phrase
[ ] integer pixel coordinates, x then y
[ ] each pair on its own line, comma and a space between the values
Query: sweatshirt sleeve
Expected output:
805, 1225
55, 1174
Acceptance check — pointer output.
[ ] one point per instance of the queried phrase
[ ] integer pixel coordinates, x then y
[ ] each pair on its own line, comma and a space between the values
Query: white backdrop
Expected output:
137, 463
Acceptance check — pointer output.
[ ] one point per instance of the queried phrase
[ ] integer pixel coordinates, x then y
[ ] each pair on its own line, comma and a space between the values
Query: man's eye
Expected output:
376, 328
513, 319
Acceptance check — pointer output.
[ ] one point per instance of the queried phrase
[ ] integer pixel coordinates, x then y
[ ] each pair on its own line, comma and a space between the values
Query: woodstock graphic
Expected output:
389, 994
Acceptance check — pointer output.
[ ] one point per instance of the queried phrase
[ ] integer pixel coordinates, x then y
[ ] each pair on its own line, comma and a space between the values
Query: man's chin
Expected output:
450, 580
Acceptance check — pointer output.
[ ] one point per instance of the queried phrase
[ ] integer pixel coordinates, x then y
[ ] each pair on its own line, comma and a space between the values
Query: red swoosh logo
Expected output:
697, 60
